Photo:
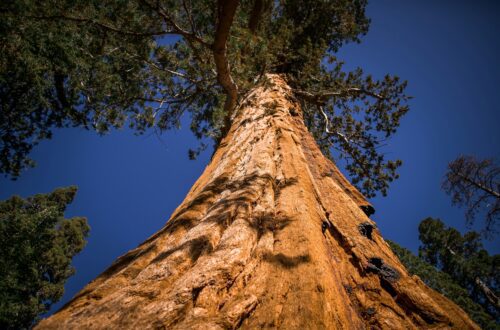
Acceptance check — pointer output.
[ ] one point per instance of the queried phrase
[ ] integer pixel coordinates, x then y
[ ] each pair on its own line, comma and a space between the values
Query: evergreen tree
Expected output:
38, 244
465, 260
444, 283
142, 63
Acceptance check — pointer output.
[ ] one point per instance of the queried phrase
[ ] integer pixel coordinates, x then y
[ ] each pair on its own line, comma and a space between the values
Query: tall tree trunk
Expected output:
270, 236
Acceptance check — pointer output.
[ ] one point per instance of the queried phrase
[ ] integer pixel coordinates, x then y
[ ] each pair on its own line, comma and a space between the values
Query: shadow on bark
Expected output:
285, 261
242, 193
217, 186
268, 222
223, 183
196, 247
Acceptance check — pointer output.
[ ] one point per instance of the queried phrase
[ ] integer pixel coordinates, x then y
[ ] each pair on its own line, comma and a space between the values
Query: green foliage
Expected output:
475, 184
104, 64
464, 259
38, 244
58, 73
445, 284
362, 115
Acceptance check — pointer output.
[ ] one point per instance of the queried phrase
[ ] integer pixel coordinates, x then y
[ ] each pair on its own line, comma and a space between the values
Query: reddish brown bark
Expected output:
270, 236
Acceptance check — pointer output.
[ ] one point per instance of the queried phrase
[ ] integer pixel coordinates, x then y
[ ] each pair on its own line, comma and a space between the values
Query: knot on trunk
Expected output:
366, 229
383, 270
367, 209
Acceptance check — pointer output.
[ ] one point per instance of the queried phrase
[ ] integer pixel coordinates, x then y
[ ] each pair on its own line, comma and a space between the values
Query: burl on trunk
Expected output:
270, 236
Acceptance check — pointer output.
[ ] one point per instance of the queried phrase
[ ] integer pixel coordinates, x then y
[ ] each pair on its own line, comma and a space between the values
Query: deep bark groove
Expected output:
263, 240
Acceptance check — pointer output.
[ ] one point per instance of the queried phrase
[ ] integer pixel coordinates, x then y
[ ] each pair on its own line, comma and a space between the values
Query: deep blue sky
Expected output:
447, 50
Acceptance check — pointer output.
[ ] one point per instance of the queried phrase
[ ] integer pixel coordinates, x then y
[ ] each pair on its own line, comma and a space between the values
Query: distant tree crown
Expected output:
37, 247
464, 258
475, 184
446, 285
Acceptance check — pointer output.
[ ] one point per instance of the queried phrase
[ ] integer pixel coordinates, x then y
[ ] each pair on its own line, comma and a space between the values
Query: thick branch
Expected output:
226, 12
255, 15
322, 98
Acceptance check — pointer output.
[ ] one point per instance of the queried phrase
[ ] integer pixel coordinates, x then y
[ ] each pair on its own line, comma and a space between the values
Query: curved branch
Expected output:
345, 140
226, 12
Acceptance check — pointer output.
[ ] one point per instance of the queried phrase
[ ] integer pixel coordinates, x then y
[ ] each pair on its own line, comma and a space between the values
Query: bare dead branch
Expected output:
344, 139
477, 184
488, 293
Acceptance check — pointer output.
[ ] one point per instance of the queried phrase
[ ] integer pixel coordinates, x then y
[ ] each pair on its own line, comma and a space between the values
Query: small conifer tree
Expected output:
37, 247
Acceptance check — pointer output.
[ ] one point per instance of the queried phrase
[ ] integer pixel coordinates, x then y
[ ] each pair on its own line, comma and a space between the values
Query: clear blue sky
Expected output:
447, 50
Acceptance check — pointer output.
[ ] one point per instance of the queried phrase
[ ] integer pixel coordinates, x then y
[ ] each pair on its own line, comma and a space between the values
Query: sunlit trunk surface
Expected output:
270, 236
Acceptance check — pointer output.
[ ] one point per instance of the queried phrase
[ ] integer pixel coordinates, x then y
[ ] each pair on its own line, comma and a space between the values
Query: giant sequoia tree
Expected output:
271, 234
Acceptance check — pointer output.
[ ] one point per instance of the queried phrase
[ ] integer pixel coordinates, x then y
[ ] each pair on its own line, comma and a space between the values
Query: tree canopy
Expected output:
38, 244
145, 64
